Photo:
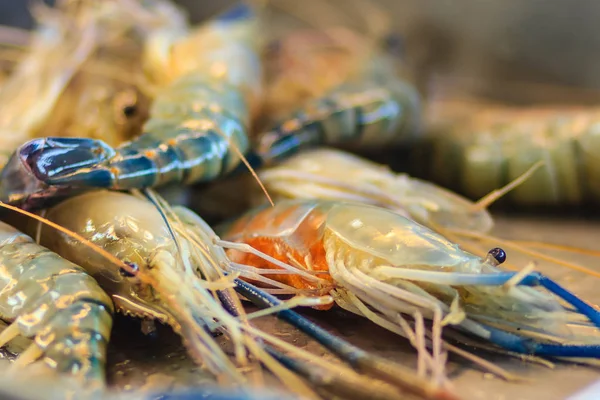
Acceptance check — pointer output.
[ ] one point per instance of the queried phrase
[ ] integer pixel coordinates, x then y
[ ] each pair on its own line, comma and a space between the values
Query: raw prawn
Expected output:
334, 87
329, 174
479, 146
381, 265
197, 129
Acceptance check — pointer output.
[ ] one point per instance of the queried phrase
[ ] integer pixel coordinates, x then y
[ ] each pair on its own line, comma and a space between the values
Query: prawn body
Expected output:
502, 142
383, 260
156, 272
56, 303
329, 174
195, 121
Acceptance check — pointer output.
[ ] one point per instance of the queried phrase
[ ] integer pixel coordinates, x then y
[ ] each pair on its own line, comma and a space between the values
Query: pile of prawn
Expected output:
138, 100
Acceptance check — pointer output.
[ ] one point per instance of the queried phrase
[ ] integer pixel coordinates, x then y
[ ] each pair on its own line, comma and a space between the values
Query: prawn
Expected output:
197, 129
383, 266
350, 102
57, 304
476, 147
330, 174
78, 75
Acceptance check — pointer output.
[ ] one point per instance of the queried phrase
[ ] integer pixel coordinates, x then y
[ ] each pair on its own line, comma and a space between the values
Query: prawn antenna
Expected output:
559, 247
524, 250
494, 195
244, 160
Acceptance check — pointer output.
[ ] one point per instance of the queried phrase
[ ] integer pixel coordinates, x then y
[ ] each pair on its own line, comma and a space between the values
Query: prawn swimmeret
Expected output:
381, 265
209, 85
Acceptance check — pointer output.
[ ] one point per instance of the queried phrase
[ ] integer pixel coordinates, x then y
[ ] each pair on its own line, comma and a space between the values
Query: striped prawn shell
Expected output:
56, 303
477, 156
366, 114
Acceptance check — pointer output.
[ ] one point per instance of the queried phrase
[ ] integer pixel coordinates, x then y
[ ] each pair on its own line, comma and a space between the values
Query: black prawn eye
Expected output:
127, 273
498, 254
129, 110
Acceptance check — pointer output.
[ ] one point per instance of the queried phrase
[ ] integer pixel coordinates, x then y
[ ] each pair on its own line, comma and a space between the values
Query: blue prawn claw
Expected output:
64, 161
50, 167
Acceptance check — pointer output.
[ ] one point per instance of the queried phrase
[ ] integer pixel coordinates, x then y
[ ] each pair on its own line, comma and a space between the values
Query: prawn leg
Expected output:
518, 344
357, 358
532, 279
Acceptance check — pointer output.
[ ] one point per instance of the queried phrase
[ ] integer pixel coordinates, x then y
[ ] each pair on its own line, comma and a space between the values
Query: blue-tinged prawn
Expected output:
197, 130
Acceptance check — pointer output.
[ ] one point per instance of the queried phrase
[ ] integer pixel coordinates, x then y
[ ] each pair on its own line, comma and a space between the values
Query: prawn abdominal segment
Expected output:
383, 266
56, 303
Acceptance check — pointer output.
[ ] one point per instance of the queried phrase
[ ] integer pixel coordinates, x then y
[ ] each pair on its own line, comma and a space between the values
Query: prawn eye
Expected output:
498, 254
126, 273
125, 104
129, 110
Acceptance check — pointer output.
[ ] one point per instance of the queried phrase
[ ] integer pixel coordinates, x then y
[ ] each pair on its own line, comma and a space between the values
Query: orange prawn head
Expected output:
291, 234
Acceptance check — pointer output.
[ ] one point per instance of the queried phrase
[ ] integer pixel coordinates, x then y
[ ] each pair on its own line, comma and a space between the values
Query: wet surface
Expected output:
135, 358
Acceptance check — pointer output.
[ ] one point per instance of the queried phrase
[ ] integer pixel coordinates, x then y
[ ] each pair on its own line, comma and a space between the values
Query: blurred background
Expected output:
482, 42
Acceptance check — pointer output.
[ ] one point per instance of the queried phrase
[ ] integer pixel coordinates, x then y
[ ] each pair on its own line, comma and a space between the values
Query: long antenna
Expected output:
494, 195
